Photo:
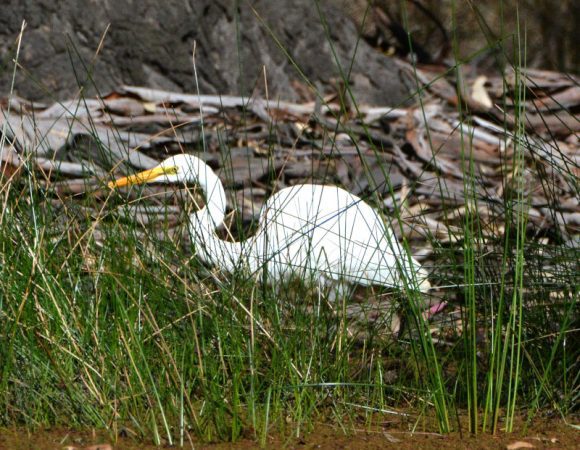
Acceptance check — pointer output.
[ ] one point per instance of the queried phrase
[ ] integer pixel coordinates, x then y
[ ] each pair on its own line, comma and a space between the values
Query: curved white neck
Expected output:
202, 224
215, 197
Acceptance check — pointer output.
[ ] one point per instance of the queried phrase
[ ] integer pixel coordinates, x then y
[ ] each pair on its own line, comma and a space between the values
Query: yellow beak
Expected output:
141, 177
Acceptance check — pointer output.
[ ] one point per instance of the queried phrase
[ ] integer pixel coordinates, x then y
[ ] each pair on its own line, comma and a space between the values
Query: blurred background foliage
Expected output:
551, 28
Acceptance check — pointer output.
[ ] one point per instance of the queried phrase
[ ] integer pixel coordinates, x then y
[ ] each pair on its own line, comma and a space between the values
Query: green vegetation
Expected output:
107, 324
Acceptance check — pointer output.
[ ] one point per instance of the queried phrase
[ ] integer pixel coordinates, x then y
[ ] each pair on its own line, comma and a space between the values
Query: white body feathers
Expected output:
312, 231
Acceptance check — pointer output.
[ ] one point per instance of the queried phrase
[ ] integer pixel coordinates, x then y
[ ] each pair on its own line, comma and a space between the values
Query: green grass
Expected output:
107, 324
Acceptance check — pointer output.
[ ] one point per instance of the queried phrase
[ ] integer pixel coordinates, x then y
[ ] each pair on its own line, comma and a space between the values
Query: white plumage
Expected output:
317, 232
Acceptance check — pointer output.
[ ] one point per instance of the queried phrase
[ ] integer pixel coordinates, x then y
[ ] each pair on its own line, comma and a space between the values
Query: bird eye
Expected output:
171, 170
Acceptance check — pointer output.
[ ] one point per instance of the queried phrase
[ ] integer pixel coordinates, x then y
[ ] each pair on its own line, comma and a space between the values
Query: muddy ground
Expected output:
544, 434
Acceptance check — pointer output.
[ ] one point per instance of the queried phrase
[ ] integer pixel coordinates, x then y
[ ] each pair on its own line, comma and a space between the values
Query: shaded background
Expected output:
149, 44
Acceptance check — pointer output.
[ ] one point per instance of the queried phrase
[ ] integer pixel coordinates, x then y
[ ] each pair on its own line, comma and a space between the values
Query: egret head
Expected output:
176, 169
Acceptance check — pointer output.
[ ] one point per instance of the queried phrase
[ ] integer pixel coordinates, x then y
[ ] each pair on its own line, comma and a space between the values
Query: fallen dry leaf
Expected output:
519, 444
91, 447
392, 439
479, 93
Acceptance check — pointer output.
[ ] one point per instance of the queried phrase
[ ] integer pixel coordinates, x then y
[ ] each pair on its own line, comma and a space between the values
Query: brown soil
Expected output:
543, 435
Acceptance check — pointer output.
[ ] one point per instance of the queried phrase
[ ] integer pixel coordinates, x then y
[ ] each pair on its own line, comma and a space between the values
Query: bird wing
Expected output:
356, 246
327, 230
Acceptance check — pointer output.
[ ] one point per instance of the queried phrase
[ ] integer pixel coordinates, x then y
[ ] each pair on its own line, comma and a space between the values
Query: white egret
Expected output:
306, 230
